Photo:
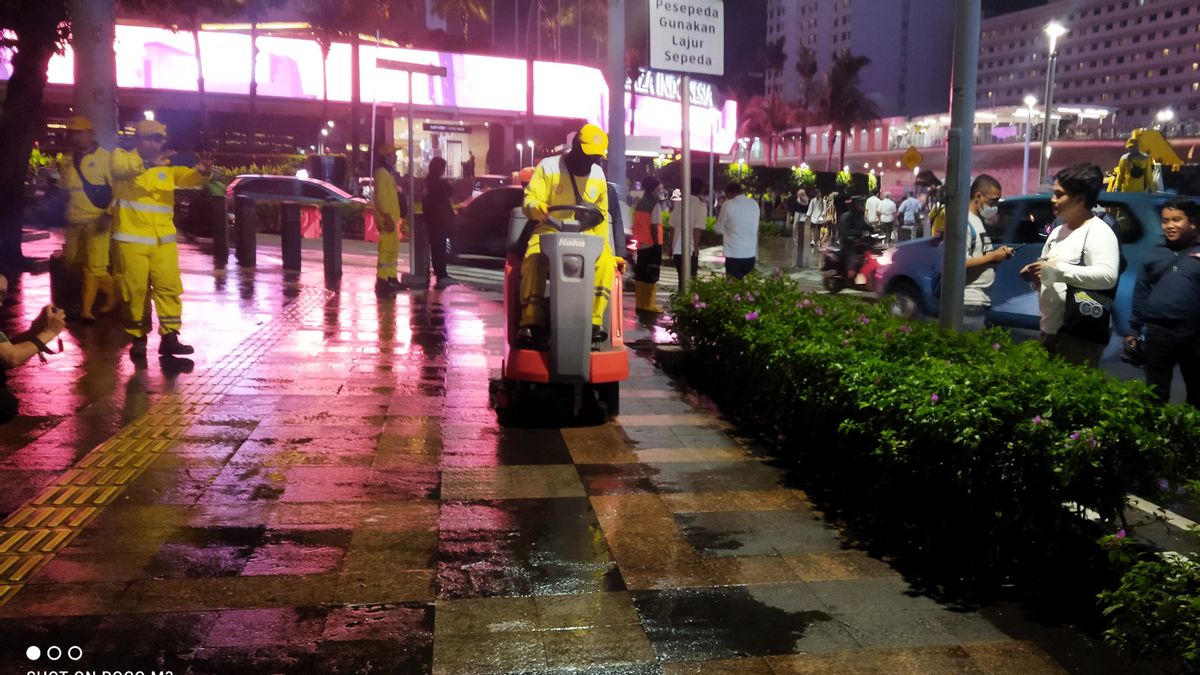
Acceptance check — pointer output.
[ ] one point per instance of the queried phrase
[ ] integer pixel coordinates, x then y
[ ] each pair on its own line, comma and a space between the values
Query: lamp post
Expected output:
529, 143
1030, 101
1054, 30
1164, 117
520, 156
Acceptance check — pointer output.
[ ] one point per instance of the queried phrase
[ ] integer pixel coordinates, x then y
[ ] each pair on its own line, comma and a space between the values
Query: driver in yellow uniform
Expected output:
551, 186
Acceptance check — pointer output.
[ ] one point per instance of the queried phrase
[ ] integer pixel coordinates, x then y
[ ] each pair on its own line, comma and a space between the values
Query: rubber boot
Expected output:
91, 285
171, 346
639, 292
652, 299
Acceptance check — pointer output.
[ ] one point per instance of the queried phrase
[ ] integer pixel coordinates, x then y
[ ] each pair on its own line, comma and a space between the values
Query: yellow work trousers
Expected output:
153, 267
99, 244
535, 269
75, 245
389, 252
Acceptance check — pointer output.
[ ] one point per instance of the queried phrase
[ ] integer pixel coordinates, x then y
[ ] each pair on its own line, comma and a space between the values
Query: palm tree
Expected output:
808, 107
464, 10
844, 105
768, 118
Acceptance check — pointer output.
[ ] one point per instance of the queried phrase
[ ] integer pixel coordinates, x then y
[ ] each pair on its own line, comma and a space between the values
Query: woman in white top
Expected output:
1082, 252
815, 217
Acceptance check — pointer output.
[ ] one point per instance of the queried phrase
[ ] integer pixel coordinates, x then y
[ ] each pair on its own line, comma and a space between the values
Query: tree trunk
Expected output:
832, 141
803, 144
204, 121
18, 128
842, 154
252, 115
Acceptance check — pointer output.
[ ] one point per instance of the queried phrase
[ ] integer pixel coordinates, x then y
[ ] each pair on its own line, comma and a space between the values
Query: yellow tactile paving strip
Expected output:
46, 524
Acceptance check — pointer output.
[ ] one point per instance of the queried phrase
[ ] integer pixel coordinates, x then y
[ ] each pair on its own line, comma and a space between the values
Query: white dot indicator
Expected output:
33, 653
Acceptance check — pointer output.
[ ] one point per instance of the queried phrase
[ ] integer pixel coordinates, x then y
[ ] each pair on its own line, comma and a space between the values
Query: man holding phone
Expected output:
981, 270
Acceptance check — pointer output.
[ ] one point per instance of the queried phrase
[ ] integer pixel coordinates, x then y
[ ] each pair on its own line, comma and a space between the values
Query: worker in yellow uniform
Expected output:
86, 177
147, 252
388, 219
551, 185
1135, 171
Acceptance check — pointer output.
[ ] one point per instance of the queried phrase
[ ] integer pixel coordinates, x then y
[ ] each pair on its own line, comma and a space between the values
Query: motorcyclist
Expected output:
549, 186
853, 235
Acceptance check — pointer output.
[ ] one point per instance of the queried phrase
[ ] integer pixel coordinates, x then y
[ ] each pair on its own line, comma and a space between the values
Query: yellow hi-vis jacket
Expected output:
549, 186
95, 169
387, 201
145, 197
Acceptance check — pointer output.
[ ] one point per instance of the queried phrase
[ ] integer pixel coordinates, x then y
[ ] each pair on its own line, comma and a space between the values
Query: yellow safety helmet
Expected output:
593, 140
150, 128
80, 123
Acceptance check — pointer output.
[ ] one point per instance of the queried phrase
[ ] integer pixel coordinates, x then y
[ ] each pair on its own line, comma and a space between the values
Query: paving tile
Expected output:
586, 610
747, 666
598, 647
485, 615
488, 653
837, 566
264, 627
1012, 657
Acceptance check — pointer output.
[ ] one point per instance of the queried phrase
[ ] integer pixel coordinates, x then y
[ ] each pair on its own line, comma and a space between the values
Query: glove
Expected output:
537, 211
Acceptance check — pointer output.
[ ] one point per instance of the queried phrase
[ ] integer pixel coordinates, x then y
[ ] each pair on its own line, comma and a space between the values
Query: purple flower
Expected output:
995, 345
887, 335
845, 343
1075, 436
695, 297
906, 328
1121, 533
699, 305
1037, 419
749, 297
752, 315
737, 297
878, 382
864, 320
934, 398
806, 303
818, 311
1091, 441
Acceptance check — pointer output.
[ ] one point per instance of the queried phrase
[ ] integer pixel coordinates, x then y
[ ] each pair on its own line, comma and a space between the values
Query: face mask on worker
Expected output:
988, 213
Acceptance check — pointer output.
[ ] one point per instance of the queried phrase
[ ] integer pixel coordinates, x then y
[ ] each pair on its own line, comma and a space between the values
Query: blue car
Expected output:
906, 272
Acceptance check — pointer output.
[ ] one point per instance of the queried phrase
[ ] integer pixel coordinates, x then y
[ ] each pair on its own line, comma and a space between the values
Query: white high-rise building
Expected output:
1139, 57
910, 44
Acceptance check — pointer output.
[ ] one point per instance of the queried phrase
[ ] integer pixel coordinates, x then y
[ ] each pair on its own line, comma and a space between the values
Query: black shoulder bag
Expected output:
1089, 312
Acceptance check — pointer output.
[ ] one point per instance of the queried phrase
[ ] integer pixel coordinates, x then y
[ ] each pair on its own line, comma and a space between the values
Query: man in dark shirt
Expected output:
1166, 303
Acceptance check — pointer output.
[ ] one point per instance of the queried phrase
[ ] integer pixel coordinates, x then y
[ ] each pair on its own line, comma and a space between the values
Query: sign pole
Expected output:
684, 228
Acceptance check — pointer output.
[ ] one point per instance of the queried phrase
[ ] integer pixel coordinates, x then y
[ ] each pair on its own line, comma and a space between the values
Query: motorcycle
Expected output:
835, 276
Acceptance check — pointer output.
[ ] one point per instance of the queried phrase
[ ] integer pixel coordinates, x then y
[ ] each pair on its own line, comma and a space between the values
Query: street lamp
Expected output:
529, 142
1030, 101
148, 114
1164, 117
521, 155
321, 140
1054, 30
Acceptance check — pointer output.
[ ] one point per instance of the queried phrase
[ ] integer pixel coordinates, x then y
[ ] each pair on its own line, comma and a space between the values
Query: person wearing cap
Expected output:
86, 177
561, 180
147, 253
648, 232
388, 219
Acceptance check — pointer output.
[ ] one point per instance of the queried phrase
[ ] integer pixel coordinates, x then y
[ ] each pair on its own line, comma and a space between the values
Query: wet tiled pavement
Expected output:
327, 491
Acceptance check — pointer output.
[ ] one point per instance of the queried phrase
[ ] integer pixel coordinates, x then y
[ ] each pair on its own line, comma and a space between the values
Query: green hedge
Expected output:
963, 448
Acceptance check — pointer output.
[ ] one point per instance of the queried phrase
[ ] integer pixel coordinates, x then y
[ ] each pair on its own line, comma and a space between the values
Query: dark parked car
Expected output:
288, 189
481, 223
1024, 223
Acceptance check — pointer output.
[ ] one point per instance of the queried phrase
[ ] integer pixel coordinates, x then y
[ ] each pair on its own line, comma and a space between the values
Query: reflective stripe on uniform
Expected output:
144, 207
138, 239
